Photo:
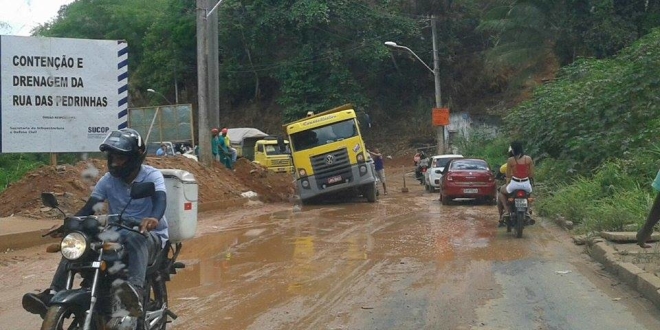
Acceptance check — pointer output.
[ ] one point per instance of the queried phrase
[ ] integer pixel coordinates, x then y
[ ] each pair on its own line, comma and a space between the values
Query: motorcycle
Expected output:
89, 244
421, 168
519, 203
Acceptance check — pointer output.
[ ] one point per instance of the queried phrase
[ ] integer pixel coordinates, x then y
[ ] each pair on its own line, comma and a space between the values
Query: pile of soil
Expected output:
72, 184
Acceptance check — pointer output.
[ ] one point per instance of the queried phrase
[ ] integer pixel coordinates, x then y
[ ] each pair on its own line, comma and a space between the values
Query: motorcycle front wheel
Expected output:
62, 317
154, 318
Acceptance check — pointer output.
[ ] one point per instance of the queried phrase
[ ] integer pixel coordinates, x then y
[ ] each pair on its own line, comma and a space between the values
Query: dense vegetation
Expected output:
593, 133
554, 69
15, 166
288, 57
596, 126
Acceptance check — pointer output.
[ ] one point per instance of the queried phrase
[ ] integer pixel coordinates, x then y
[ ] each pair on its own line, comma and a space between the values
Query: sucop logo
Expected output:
97, 130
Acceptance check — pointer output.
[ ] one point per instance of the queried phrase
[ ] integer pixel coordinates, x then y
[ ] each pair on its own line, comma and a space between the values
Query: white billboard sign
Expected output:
61, 95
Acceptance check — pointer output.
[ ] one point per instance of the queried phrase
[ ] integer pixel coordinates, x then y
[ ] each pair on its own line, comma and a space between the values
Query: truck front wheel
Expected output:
370, 192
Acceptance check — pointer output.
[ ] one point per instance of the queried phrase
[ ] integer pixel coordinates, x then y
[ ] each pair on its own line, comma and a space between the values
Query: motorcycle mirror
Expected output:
142, 190
48, 199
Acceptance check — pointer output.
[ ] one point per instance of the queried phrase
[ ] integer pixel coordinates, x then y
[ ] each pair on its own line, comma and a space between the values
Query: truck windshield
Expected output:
273, 150
323, 135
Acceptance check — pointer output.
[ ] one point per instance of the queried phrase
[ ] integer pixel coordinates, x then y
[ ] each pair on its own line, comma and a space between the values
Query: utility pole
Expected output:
203, 129
438, 94
176, 90
214, 72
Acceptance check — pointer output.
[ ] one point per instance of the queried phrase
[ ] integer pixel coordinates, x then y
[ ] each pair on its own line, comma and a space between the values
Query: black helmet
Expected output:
126, 142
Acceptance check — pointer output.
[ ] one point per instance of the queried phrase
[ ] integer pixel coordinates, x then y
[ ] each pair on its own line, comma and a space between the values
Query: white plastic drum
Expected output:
181, 212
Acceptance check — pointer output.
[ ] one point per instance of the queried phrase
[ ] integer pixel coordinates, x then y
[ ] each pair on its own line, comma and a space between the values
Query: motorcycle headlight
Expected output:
73, 246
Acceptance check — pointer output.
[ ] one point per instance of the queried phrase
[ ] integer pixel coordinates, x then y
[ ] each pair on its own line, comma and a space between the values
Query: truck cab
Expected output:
329, 155
260, 148
268, 154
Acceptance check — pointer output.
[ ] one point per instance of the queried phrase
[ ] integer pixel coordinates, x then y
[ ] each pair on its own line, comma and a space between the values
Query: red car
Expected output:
468, 178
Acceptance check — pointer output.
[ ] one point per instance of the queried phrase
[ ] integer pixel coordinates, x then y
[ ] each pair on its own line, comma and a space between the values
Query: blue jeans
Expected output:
137, 248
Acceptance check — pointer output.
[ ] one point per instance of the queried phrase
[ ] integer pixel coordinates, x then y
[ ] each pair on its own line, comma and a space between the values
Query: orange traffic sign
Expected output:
440, 116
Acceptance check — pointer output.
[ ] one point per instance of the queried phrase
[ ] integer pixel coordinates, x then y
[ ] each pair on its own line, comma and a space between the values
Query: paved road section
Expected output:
406, 262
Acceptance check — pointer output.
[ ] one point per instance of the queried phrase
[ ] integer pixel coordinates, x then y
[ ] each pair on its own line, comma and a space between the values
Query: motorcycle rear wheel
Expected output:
520, 224
62, 317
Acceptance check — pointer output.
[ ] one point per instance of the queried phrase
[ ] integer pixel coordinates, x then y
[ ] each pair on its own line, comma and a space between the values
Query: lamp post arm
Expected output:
163, 96
417, 57
168, 101
210, 12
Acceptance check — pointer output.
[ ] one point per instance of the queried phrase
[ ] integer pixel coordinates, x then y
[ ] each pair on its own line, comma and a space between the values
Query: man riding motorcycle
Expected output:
519, 173
420, 167
125, 151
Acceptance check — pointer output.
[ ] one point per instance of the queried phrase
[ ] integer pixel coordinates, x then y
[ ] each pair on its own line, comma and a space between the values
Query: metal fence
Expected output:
163, 123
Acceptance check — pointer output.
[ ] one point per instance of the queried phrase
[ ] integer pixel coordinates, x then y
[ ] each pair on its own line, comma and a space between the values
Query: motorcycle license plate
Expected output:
470, 191
521, 203
334, 179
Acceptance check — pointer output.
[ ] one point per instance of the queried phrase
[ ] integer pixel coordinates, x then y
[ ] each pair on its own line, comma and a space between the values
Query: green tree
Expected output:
170, 53
525, 33
308, 55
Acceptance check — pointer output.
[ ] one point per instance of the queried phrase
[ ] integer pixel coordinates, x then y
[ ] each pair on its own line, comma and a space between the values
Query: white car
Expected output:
433, 174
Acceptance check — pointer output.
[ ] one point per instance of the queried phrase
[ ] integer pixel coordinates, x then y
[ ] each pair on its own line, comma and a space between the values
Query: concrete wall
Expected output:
461, 124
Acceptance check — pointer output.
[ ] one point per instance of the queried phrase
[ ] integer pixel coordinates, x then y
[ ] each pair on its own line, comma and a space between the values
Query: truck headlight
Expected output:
302, 172
73, 246
360, 157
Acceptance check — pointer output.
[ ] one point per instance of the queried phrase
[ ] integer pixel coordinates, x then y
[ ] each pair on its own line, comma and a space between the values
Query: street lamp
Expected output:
393, 44
155, 92
153, 120
440, 134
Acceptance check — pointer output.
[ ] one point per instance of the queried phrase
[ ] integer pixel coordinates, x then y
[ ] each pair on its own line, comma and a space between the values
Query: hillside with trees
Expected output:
284, 58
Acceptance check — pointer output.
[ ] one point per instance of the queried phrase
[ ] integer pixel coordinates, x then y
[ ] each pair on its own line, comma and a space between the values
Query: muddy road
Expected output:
406, 262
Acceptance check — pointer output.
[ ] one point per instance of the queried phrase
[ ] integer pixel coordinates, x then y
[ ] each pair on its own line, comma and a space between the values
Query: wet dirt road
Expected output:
406, 262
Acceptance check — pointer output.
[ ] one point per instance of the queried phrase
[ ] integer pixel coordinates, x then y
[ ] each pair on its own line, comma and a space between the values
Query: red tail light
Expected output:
521, 194
423, 170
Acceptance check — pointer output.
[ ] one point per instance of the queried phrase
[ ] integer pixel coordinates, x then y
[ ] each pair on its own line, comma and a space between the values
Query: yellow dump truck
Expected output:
329, 155
260, 148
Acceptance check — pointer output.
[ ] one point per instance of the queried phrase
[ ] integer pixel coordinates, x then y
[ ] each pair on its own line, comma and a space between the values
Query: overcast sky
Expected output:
23, 15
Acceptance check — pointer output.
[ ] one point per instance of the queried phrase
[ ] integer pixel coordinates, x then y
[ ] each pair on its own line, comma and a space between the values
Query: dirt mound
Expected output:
73, 184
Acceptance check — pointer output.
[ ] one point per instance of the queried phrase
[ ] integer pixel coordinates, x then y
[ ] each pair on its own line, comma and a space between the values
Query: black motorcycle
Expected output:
421, 168
520, 214
89, 246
